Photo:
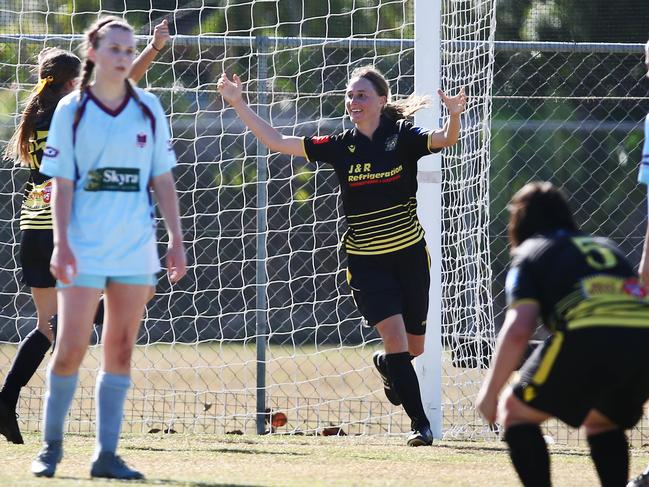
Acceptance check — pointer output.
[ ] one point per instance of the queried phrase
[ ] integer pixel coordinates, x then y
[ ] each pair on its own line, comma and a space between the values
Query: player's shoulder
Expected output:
540, 245
346, 136
147, 98
405, 125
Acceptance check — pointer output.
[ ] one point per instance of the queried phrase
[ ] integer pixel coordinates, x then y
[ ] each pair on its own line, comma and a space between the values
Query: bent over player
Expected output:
592, 370
388, 266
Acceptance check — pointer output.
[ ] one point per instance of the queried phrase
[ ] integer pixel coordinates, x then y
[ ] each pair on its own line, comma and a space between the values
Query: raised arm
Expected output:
231, 91
146, 57
448, 135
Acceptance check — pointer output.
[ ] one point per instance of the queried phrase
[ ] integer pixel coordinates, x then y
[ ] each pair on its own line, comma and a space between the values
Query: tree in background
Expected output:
573, 20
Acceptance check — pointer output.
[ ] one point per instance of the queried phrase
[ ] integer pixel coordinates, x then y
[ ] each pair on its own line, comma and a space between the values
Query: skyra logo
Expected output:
113, 179
112, 176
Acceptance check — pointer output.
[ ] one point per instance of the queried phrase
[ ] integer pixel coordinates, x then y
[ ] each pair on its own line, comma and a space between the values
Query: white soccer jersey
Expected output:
111, 156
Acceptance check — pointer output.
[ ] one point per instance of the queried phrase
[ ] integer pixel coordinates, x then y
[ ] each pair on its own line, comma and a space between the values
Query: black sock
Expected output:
30, 355
404, 379
529, 454
610, 453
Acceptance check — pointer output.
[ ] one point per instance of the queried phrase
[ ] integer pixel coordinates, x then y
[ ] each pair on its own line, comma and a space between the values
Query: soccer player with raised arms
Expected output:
58, 71
592, 370
388, 266
108, 148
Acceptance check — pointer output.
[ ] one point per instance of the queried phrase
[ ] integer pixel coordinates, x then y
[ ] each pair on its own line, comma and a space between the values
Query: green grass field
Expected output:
200, 455
218, 461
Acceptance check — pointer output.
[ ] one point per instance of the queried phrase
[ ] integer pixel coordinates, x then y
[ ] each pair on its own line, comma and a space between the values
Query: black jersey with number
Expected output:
578, 281
378, 182
36, 211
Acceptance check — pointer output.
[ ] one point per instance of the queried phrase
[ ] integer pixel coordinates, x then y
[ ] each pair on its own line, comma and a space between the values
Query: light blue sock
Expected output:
110, 395
60, 391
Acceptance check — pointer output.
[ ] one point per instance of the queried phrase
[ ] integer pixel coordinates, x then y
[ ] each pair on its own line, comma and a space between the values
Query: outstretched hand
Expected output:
454, 104
230, 90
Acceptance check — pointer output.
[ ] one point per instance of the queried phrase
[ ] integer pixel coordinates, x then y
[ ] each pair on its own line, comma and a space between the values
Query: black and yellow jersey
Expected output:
378, 183
578, 281
36, 211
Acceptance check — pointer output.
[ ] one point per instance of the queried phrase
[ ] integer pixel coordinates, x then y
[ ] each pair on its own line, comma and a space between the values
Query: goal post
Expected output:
429, 202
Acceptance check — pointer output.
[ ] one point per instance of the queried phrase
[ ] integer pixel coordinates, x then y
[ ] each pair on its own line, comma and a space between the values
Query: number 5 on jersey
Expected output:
597, 256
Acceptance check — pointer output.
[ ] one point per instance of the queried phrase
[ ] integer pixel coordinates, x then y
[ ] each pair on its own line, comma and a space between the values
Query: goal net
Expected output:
264, 320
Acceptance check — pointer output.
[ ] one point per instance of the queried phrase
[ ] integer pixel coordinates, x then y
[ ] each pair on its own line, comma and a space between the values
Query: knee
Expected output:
118, 351
66, 360
122, 358
394, 343
416, 349
595, 424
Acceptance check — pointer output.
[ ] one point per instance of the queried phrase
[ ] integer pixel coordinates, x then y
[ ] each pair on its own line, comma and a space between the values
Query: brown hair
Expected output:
55, 68
538, 207
395, 110
92, 36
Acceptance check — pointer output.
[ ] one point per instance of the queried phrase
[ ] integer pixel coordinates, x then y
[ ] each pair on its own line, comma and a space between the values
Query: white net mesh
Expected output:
467, 313
263, 230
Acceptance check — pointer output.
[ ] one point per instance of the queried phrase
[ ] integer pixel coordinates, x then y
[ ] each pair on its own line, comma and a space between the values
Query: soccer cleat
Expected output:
44, 465
641, 480
421, 437
110, 466
9, 425
379, 362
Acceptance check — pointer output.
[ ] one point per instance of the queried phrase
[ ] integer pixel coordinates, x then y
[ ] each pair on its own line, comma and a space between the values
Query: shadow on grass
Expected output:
184, 483
471, 447
216, 450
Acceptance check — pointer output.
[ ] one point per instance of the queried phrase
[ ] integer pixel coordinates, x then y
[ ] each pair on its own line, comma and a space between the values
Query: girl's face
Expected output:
362, 102
114, 54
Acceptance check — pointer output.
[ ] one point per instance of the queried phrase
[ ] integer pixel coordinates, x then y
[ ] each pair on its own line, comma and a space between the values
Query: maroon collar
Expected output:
112, 113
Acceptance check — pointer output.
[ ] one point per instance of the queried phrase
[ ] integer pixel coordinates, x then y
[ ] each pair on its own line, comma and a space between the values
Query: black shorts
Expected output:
390, 284
36, 247
594, 368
